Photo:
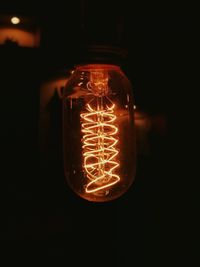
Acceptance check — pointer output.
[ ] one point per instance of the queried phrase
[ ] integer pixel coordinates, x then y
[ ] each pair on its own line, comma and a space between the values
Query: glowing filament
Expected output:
99, 146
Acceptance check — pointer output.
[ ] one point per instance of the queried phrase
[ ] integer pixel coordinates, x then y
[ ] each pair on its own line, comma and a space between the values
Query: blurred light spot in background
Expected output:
15, 20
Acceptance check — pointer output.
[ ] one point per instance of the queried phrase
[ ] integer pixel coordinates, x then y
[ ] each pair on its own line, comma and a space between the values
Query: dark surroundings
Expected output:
43, 220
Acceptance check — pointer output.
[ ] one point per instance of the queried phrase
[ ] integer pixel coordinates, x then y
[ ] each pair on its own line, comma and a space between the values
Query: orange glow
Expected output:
98, 132
21, 37
99, 147
15, 20
99, 141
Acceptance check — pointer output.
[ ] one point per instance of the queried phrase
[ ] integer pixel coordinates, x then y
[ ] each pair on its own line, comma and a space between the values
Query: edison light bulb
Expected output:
99, 133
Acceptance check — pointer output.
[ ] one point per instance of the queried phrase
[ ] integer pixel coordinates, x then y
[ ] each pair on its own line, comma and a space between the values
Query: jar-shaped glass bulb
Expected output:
98, 132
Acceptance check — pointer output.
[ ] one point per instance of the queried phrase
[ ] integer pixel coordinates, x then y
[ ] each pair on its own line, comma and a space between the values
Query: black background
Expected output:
153, 223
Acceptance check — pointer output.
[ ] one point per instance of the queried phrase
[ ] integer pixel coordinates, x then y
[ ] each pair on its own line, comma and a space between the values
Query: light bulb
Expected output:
99, 132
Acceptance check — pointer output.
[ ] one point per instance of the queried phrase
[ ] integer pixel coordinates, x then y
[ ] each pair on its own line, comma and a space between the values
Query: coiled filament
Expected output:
99, 145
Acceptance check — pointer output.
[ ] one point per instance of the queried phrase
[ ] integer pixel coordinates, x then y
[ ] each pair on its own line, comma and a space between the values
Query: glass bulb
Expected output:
99, 132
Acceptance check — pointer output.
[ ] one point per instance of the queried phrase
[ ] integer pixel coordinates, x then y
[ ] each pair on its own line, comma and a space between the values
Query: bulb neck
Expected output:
97, 67
101, 54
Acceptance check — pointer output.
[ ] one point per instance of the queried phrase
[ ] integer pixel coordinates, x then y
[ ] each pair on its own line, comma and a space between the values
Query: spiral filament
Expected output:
99, 145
